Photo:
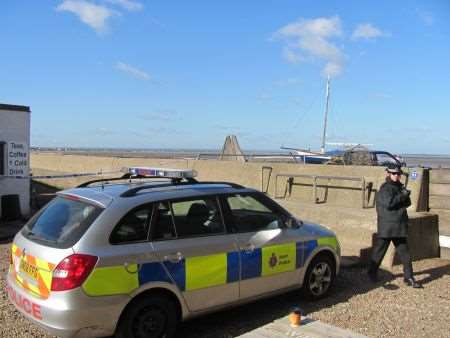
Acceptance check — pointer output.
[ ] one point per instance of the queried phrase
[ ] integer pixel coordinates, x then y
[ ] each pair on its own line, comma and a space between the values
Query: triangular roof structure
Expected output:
231, 150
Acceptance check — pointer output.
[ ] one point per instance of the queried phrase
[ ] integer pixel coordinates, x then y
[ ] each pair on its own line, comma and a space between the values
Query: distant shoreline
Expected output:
185, 150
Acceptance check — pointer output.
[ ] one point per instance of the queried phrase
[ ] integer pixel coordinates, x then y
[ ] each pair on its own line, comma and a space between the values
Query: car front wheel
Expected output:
319, 277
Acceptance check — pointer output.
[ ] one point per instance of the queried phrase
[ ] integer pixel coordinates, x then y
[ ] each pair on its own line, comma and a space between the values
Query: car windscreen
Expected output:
62, 222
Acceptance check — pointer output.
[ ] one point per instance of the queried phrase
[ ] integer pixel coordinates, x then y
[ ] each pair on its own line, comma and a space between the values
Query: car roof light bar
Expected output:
135, 190
160, 172
134, 173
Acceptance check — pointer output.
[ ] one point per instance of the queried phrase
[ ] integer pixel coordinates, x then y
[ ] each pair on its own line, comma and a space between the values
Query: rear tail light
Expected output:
72, 271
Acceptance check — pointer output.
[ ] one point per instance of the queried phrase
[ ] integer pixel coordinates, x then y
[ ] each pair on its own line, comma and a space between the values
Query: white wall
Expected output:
15, 127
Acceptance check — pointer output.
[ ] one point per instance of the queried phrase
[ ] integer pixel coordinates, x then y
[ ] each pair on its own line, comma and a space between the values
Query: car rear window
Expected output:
62, 222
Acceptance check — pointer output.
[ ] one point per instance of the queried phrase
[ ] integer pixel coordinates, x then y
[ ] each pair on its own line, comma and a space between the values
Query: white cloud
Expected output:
127, 4
133, 71
291, 56
332, 69
96, 16
320, 27
311, 40
367, 31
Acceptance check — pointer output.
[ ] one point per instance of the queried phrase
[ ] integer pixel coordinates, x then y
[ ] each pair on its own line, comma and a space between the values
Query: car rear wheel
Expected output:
152, 316
319, 277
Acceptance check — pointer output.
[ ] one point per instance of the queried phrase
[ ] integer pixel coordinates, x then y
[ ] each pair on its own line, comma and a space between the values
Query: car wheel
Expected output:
152, 316
319, 277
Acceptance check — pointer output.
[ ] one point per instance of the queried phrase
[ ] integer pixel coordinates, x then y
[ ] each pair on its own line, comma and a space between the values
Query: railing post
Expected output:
268, 179
276, 186
363, 192
315, 189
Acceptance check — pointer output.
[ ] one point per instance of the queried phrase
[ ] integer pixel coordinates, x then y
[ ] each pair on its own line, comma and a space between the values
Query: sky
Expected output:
185, 74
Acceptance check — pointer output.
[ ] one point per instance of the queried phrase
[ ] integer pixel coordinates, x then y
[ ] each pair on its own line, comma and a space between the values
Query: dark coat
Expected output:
392, 200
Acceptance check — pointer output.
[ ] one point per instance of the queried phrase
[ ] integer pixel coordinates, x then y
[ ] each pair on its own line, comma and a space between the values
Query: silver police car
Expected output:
133, 256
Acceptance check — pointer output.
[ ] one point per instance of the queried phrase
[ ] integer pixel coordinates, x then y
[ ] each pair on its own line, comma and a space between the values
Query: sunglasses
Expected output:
396, 174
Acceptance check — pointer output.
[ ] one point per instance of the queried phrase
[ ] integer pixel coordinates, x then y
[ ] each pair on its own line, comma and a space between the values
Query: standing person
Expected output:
392, 221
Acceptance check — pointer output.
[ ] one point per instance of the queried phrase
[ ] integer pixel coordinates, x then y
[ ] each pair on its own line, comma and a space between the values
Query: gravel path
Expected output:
385, 309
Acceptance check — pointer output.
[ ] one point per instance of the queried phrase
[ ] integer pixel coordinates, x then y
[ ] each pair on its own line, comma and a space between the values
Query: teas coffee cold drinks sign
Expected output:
17, 158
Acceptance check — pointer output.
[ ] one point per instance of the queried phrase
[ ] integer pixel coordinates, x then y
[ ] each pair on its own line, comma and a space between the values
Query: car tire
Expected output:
319, 277
152, 316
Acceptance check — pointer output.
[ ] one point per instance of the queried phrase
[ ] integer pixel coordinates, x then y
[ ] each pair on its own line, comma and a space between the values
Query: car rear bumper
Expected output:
69, 313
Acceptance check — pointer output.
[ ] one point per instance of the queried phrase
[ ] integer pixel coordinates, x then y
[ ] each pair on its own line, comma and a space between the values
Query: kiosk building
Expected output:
15, 154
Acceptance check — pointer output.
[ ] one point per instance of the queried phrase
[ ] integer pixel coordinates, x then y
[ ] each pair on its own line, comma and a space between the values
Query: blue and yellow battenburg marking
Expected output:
200, 272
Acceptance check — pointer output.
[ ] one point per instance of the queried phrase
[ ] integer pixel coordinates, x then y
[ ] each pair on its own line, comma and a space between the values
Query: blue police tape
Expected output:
99, 173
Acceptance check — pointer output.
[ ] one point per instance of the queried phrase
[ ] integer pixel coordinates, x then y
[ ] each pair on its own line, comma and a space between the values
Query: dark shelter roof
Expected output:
13, 107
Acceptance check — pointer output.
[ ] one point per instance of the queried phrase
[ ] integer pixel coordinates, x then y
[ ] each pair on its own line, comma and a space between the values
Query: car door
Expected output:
123, 263
268, 250
190, 239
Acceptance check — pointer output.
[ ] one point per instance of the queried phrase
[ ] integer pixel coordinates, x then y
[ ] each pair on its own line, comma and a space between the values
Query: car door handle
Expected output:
249, 247
174, 257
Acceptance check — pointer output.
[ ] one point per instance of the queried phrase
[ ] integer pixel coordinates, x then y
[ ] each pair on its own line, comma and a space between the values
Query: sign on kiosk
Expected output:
17, 159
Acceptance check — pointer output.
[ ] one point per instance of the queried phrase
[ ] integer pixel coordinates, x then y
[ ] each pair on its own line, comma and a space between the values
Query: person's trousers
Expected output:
401, 246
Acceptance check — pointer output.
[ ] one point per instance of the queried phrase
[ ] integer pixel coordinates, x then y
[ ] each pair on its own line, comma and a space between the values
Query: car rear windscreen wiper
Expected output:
32, 235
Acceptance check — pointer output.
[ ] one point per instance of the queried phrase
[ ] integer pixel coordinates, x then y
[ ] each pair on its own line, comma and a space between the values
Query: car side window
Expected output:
197, 217
133, 227
250, 214
162, 222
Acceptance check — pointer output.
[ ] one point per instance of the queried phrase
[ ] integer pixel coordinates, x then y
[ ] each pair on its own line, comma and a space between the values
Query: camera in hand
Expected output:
406, 192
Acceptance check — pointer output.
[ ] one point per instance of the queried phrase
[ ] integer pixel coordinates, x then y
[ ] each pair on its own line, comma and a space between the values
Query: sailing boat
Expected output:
307, 156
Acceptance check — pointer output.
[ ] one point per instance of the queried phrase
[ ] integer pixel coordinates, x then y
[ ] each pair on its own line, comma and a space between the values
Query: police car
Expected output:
133, 256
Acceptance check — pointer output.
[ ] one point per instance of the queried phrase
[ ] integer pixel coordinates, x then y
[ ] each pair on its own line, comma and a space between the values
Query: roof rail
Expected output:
133, 191
128, 177
231, 184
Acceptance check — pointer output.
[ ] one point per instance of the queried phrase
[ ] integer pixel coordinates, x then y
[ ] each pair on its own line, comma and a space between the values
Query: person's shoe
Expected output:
372, 276
411, 282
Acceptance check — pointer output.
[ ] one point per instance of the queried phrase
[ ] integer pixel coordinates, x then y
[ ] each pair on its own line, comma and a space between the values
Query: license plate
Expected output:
28, 269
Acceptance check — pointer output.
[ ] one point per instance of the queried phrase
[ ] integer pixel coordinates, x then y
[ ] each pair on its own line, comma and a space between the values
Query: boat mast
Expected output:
324, 135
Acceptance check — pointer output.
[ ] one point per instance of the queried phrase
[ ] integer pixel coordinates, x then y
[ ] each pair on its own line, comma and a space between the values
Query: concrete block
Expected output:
423, 235
444, 229
439, 202
440, 176
415, 184
445, 253
440, 189
309, 327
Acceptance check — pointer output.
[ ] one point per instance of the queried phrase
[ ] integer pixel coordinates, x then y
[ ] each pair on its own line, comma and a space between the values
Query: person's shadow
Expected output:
432, 274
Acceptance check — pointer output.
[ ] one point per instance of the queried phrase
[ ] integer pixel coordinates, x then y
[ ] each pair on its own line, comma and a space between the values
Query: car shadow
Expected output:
236, 321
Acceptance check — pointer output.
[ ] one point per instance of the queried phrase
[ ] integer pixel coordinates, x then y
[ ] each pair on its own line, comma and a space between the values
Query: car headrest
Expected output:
198, 209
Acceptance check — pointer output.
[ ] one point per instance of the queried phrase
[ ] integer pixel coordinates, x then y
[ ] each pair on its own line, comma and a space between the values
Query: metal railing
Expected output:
291, 158
290, 183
